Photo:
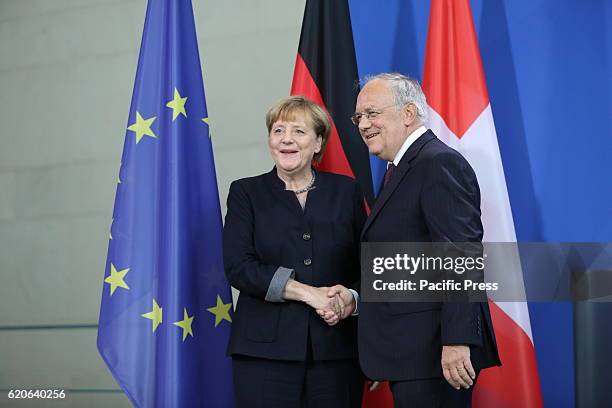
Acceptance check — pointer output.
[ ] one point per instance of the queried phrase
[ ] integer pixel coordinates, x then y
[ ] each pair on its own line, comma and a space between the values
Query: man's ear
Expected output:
410, 114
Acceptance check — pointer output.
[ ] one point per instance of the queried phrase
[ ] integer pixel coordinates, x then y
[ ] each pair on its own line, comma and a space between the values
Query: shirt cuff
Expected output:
356, 297
278, 283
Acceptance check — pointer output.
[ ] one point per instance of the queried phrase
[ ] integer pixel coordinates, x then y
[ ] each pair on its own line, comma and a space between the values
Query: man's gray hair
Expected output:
405, 90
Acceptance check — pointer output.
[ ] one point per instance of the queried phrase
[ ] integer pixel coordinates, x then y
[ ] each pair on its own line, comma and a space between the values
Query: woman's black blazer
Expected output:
266, 228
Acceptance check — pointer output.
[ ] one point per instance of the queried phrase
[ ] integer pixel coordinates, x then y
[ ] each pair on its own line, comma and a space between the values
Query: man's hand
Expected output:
373, 385
344, 299
457, 367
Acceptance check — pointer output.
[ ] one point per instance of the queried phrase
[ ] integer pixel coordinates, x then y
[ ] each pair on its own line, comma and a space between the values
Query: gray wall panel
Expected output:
66, 73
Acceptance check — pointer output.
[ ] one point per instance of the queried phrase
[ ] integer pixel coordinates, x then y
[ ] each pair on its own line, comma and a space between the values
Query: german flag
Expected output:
326, 73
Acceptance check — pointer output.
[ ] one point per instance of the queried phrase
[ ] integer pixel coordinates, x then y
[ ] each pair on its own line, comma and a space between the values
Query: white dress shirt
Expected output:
407, 143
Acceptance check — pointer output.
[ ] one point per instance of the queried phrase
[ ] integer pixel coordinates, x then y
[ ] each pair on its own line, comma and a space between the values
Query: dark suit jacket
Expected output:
432, 196
265, 228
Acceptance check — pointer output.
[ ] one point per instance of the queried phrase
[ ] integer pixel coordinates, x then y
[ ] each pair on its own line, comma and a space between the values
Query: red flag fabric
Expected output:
460, 115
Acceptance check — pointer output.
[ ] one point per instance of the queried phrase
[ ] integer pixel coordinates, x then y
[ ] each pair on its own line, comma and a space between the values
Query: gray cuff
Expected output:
356, 297
278, 283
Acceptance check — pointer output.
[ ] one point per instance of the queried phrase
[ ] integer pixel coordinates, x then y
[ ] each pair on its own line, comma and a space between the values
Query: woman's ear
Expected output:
319, 143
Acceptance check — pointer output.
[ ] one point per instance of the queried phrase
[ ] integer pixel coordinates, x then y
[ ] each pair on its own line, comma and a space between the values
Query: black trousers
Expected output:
263, 383
430, 393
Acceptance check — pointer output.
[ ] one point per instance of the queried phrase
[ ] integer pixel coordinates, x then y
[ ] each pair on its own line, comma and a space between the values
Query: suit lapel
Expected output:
402, 169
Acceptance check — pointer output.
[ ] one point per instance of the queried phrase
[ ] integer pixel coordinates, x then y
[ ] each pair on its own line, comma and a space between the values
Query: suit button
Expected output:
307, 261
306, 236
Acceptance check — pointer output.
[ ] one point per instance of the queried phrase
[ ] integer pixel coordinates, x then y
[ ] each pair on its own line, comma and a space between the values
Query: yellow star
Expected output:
177, 104
142, 127
205, 120
185, 324
115, 280
221, 311
154, 315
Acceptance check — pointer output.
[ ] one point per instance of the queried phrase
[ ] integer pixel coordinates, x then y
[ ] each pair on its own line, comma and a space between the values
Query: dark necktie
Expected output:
389, 173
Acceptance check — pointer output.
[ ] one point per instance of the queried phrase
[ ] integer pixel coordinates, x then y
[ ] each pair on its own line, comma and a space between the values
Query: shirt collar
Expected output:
408, 142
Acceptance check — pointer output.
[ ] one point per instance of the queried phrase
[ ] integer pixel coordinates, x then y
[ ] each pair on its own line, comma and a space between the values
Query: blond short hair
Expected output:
286, 109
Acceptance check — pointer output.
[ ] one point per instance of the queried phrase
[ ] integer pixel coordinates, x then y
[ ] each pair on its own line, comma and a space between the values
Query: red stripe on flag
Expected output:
516, 382
334, 159
454, 81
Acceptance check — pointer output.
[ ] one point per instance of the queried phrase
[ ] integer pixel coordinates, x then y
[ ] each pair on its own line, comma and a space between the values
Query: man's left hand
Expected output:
457, 367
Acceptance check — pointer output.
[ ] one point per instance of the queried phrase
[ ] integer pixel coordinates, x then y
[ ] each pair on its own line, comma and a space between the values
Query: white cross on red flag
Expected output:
460, 115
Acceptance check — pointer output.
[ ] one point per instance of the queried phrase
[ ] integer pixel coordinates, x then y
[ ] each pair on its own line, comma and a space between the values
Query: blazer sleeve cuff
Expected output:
278, 283
356, 297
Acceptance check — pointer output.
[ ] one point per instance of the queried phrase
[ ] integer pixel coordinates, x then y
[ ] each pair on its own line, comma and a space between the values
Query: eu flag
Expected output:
166, 306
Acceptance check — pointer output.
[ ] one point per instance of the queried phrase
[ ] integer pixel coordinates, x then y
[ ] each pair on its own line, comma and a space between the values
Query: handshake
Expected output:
333, 304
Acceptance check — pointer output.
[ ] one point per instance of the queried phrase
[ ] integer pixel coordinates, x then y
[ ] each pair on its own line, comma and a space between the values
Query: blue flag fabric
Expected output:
166, 306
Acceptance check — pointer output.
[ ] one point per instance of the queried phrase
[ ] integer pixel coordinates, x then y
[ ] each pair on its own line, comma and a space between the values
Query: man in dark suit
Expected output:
431, 353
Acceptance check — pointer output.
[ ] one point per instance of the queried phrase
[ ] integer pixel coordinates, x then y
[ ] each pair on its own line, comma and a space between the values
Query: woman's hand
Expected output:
317, 298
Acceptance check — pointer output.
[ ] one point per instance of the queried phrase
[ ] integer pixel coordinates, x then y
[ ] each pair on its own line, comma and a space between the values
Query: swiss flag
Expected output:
460, 115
